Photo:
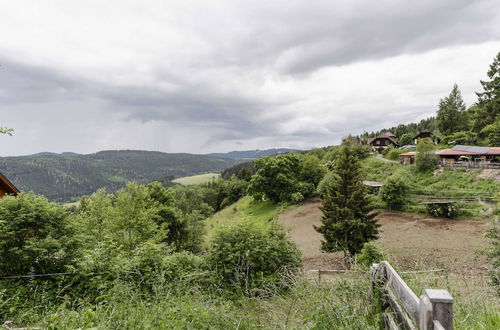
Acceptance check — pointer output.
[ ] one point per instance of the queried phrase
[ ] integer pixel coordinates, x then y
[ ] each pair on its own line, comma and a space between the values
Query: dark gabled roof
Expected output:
422, 132
8, 186
387, 134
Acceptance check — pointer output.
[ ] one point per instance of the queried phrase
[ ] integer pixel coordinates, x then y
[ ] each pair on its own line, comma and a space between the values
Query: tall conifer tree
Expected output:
347, 221
451, 112
489, 100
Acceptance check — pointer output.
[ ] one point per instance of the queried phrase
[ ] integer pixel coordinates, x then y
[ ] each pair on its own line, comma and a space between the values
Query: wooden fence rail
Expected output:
402, 309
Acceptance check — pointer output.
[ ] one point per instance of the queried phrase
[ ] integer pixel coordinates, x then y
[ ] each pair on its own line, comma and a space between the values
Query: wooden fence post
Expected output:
436, 310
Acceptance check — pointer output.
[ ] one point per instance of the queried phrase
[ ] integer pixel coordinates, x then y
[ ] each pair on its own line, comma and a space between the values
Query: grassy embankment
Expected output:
196, 179
465, 185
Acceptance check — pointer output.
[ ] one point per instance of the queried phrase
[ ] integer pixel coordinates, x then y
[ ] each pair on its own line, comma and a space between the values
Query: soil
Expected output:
413, 241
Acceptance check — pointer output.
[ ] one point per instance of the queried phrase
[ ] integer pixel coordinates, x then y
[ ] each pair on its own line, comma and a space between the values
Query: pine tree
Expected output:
450, 112
489, 100
347, 222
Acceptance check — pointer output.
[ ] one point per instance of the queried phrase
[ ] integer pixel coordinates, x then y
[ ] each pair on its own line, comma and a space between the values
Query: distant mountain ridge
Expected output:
253, 154
62, 177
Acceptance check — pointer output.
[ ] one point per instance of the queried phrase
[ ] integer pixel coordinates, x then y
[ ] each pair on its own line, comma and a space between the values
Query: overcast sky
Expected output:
210, 76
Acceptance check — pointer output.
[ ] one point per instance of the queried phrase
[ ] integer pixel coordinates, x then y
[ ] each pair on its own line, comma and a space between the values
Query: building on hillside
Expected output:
461, 155
383, 141
6, 187
422, 135
373, 186
407, 158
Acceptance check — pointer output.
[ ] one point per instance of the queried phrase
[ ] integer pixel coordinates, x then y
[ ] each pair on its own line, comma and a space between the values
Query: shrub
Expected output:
247, 257
425, 160
370, 254
441, 210
395, 194
36, 236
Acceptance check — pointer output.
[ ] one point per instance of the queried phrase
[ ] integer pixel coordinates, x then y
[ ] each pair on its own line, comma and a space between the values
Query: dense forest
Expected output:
66, 177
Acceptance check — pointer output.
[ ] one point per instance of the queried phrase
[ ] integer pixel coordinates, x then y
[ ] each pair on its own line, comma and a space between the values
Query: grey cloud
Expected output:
310, 36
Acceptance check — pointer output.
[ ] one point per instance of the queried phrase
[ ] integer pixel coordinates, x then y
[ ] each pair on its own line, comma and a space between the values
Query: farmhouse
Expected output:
6, 187
469, 153
461, 155
383, 141
422, 135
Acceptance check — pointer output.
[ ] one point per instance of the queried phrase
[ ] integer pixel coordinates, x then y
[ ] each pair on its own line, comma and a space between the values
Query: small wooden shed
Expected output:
7, 187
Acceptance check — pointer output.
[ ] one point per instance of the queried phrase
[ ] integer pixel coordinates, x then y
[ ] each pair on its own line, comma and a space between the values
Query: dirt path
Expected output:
414, 242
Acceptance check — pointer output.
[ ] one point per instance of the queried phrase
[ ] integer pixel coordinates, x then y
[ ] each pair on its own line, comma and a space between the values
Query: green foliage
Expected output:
405, 139
395, 193
492, 132
311, 171
450, 112
493, 253
489, 100
248, 257
36, 236
278, 178
393, 153
446, 210
462, 137
347, 222
425, 160
370, 254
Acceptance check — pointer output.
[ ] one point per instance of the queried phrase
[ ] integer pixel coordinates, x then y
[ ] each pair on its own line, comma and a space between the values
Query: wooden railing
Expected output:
402, 309
482, 165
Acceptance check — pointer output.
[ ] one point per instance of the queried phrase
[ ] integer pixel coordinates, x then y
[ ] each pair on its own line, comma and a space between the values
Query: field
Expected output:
196, 179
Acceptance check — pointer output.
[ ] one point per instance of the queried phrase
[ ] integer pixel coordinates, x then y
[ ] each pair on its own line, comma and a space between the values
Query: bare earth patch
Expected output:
412, 241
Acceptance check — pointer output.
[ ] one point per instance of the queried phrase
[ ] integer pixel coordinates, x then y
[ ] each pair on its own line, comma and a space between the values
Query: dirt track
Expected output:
413, 242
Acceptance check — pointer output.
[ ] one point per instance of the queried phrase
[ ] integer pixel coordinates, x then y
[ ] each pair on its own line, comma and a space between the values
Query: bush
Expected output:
370, 254
425, 160
248, 257
36, 236
441, 210
395, 194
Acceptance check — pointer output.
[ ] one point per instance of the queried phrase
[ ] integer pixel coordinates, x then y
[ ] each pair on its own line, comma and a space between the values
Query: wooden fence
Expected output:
482, 165
402, 309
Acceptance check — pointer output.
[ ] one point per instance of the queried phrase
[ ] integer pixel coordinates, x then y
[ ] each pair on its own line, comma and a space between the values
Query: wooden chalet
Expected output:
383, 141
422, 135
6, 187
460, 155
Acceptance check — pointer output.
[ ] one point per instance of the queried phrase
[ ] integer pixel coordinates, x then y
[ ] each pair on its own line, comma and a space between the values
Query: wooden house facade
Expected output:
422, 135
6, 187
383, 141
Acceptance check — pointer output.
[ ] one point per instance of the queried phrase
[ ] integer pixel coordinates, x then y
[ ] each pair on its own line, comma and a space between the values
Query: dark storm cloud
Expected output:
308, 36
241, 70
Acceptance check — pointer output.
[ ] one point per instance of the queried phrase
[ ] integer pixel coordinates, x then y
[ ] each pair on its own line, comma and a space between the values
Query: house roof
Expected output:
387, 134
451, 152
373, 183
494, 151
410, 153
422, 132
8, 186
475, 149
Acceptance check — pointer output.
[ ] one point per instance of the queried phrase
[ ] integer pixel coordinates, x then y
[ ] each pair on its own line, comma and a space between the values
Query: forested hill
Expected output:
253, 154
64, 177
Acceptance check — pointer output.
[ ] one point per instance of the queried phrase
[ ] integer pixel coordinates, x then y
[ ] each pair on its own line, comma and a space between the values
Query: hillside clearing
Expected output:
412, 241
196, 179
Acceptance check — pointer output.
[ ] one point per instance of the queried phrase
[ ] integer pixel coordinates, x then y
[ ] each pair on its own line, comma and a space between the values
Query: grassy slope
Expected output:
196, 179
245, 209
446, 183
